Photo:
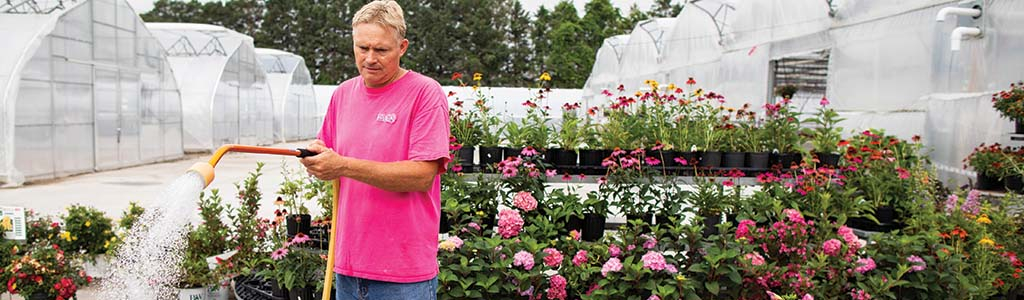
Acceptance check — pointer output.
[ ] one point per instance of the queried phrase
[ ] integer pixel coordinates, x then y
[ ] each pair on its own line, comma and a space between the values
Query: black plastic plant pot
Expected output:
691, 158
574, 223
1018, 127
446, 225
276, 290
664, 156
466, 156
758, 160
490, 156
1014, 183
786, 160
593, 227
829, 159
711, 225
885, 214
988, 183
513, 152
591, 157
560, 158
733, 160
298, 223
711, 159
302, 293
661, 220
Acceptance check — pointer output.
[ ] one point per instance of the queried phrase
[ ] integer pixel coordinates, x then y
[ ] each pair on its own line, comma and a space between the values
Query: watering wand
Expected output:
206, 171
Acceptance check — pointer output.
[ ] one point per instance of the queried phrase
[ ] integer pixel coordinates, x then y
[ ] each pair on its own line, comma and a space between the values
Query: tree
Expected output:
572, 59
664, 9
601, 20
635, 16
520, 66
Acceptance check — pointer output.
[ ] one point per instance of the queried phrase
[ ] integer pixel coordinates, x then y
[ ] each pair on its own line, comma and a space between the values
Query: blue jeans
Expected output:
353, 288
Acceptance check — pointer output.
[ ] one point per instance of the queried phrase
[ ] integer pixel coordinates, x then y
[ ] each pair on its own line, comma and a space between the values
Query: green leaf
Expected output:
712, 287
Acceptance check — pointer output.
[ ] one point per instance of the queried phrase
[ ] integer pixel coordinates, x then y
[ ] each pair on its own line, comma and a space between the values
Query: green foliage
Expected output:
130, 216
572, 132
294, 266
825, 135
992, 160
86, 231
43, 268
1010, 103
249, 234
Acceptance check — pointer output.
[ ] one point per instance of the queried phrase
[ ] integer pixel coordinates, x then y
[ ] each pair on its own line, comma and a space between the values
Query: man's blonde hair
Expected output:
387, 13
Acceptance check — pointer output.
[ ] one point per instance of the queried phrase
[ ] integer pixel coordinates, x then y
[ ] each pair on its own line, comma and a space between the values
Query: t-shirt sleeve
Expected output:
327, 130
428, 138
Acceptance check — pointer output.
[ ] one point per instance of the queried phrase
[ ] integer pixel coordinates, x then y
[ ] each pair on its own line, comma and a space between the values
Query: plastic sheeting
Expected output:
225, 97
606, 66
84, 88
295, 108
642, 53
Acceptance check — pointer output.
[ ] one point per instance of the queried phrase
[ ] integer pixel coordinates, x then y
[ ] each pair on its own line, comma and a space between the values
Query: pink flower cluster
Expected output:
557, 285
612, 265
851, 239
651, 241
654, 260
510, 166
553, 258
509, 223
525, 201
865, 265
614, 251
832, 247
859, 294
580, 258
916, 263
755, 258
523, 259
743, 230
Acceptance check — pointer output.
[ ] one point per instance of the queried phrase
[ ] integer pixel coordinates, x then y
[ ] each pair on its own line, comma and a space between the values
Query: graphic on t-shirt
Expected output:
387, 118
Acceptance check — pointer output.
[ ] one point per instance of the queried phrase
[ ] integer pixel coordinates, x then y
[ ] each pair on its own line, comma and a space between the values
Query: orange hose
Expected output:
249, 149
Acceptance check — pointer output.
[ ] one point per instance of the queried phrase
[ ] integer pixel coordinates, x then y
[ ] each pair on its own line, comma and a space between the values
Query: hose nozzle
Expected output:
205, 170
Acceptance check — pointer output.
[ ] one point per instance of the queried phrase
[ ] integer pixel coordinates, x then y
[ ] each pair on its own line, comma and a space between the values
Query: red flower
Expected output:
843, 143
691, 81
456, 76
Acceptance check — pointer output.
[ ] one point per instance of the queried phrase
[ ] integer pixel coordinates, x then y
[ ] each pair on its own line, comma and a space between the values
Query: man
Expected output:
385, 136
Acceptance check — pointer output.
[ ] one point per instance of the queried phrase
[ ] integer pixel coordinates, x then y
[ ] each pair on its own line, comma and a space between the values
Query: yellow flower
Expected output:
638, 94
983, 219
545, 76
671, 86
106, 244
478, 76
680, 278
447, 246
480, 213
6, 224
65, 235
987, 241
699, 92
88, 223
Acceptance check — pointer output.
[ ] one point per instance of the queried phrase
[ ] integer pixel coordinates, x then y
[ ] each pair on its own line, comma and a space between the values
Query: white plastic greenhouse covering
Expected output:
889, 64
295, 108
224, 94
641, 55
83, 88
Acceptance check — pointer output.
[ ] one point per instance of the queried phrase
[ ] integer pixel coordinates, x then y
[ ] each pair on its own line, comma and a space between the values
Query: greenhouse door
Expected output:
117, 119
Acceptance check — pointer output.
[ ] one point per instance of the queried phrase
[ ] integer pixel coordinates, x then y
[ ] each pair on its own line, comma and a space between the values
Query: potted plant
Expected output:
491, 131
595, 213
570, 137
990, 164
825, 135
292, 199
296, 268
466, 132
591, 155
782, 127
1010, 104
1014, 159
565, 208
43, 271
86, 232
732, 146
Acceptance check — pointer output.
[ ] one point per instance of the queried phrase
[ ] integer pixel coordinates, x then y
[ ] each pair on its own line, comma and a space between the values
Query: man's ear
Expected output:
403, 46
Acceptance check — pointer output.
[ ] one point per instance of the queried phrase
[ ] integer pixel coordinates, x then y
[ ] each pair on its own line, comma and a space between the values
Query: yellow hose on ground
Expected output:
329, 272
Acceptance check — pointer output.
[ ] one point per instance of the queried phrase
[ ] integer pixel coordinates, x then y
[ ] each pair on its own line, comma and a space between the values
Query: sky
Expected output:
142, 6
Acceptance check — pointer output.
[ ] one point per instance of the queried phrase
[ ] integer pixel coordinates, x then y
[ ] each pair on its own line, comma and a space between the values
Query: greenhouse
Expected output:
84, 86
898, 65
295, 108
224, 93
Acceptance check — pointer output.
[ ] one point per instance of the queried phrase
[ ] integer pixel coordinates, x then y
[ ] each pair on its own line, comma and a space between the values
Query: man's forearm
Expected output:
400, 176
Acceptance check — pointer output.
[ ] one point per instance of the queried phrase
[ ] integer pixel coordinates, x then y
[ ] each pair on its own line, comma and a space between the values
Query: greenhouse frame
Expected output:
295, 107
224, 93
882, 64
84, 86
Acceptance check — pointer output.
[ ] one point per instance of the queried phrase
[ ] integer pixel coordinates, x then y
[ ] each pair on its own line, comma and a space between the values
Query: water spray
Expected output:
205, 170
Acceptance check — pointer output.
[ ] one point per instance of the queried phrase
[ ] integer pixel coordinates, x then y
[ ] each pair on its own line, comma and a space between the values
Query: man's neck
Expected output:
401, 72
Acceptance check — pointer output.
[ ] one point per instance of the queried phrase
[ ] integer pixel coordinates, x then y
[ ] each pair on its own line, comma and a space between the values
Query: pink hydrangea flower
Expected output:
630, 247
807, 297
614, 251
575, 235
865, 265
524, 200
580, 258
851, 239
455, 240
612, 265
743, 230
509, 223
523, 259
831, 247
654, 261
654, 297
755, 258
557, 285
553, 258
794, 215
651, 242
671, 269
916, 263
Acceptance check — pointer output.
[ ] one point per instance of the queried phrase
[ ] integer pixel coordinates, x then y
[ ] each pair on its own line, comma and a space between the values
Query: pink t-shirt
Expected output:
383, 235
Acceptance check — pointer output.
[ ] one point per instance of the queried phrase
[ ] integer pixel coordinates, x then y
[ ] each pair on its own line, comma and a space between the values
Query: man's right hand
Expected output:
326, 164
